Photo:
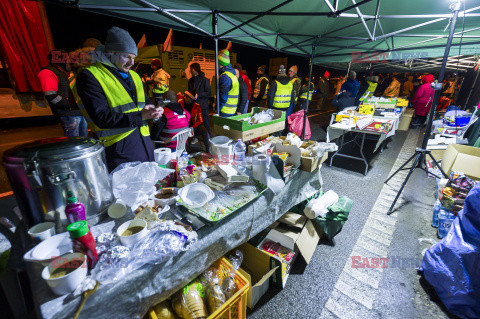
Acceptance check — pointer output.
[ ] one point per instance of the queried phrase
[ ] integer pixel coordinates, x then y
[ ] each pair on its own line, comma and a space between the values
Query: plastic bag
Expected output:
213, 290
133, 183
451, 266
262, 117
163, 242
193, 306
229, 286
295, 124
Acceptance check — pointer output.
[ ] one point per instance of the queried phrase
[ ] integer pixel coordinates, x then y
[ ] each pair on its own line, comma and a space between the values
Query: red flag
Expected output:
143, 42
200, 45
229, 46
167, 45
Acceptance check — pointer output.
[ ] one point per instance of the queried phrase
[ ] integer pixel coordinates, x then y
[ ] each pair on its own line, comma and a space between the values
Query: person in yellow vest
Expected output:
229, 87
160, 81
367, 89
393, 90
261, 88
114, 102
281, 93
297, 83
305, 94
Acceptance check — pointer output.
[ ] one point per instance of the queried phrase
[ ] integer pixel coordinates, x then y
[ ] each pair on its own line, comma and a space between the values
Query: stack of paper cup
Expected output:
163, 155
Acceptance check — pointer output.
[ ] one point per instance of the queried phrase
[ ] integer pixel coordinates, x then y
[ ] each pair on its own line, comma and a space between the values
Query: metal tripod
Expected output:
420, 154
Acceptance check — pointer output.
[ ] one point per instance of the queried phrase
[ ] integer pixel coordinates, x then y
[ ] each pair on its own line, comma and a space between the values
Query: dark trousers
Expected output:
206, 120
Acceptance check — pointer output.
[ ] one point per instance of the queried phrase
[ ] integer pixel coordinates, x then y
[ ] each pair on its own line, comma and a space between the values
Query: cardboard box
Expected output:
292, 231
256, 268
406, 120
437, 154
236, 129
462, 158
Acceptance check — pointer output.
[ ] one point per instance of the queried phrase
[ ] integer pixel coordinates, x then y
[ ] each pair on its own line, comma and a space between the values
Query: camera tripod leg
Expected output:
414, 166
401, 167
436, 164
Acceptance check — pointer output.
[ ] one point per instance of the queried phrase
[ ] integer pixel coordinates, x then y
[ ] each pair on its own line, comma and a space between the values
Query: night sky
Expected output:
70, 27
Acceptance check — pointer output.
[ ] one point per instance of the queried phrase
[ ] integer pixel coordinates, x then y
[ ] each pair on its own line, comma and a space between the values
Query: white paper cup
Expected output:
42, 231
117, 210
131, 240
68, 283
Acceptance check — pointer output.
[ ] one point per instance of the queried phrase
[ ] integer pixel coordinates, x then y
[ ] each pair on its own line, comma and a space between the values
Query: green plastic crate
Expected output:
234, 128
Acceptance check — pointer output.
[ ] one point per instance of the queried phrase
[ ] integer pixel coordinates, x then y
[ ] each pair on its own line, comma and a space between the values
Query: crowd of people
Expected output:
127, 111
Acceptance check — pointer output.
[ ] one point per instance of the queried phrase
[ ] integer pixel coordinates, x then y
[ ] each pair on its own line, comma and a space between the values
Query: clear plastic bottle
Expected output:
436, 209
239, 151
182, 162
445, 219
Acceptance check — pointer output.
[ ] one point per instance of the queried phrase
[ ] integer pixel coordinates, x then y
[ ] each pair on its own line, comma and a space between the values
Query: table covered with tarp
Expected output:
132, 295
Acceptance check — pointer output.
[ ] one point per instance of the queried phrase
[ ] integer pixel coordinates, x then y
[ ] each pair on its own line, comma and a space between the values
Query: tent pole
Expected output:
308, 92
217, 75
421, 153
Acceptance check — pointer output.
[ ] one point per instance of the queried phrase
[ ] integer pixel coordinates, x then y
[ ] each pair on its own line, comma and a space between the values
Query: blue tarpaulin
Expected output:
452, 266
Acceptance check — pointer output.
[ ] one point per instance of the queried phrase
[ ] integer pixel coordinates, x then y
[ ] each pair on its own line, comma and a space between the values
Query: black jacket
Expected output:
283, 79
242, 96
343, 100
200, 85
135, 147
66, 106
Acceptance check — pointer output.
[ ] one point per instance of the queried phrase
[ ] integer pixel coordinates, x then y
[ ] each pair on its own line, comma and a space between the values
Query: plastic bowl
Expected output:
196, 195
52, 247
165, 201
42, 231
69, 282
131, 240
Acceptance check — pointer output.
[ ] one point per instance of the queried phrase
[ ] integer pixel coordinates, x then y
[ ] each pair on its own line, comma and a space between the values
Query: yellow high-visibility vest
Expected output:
230, 106
119, 100
283, 95
256, 91
372, 86
304, 95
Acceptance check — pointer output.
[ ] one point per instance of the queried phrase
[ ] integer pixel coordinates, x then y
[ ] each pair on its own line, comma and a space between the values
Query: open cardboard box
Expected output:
292, 231
462, 158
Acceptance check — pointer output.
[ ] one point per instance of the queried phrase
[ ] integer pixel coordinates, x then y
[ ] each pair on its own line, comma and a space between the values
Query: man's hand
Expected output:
149, 112
196, 96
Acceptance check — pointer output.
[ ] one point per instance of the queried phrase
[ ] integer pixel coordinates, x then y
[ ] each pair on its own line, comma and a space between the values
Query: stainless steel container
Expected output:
42, 172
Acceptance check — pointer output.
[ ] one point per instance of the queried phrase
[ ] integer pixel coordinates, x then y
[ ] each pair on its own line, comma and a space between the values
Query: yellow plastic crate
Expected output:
235, 307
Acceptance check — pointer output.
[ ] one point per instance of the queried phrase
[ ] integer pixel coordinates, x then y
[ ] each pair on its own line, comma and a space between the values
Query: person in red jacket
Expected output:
196, 119
422, 101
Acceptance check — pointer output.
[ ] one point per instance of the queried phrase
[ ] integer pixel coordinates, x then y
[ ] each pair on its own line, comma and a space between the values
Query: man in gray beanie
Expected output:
114, 102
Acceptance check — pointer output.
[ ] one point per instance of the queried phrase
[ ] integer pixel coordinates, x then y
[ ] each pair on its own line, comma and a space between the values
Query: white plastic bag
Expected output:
134, 183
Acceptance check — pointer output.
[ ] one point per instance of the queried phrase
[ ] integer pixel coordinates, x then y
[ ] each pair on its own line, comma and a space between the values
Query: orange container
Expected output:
235, 307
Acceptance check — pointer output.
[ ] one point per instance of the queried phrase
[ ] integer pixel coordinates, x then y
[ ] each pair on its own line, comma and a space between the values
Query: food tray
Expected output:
216, 217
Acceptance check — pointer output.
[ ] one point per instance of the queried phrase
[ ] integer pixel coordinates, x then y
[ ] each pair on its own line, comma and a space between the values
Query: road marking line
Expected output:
356, 288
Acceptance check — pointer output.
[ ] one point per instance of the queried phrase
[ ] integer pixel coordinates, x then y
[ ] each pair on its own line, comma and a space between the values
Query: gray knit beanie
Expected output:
352, 75
119, 40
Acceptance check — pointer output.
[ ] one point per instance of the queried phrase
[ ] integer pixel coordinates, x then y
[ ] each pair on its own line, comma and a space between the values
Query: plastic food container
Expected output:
70, 281
165, 199
131, 240
49, 249
196, 195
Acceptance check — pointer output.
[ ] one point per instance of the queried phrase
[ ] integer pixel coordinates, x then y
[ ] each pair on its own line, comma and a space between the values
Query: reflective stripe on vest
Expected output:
372, 86
256, 91
230, 107
119, 100
283, 95
304, 95
161, 88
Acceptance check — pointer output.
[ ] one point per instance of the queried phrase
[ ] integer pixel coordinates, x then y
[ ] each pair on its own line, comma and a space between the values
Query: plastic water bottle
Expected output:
445, 219
182, 162
436, 209
239, 151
